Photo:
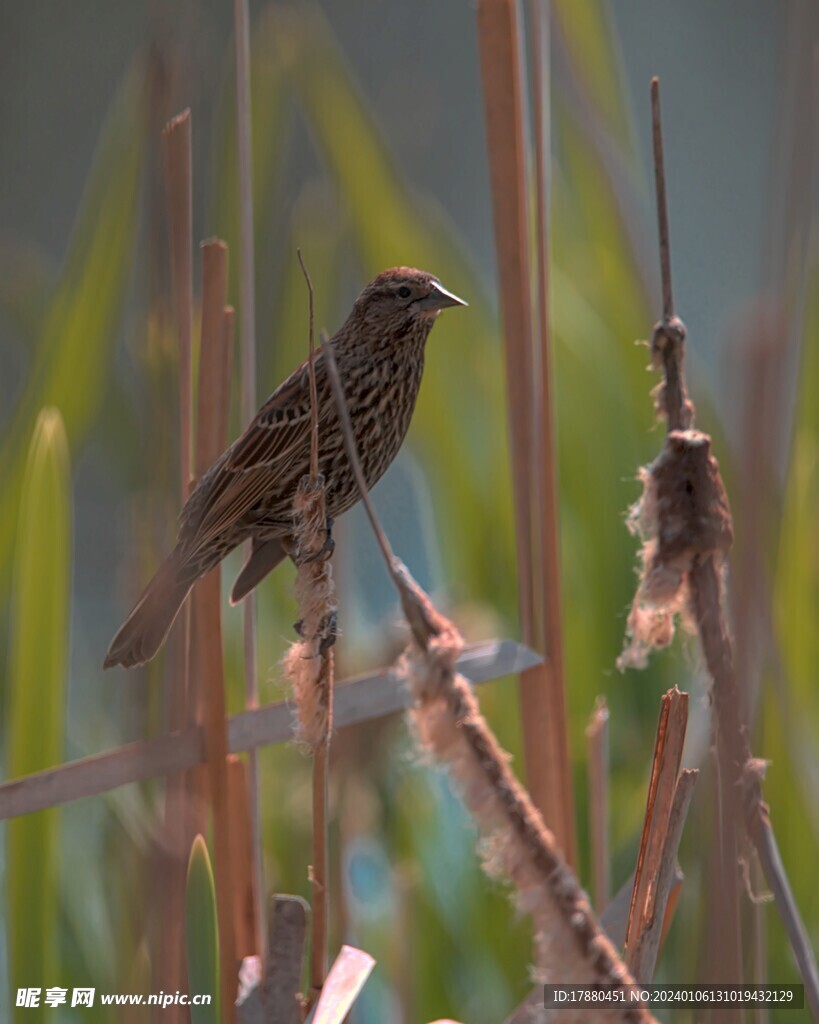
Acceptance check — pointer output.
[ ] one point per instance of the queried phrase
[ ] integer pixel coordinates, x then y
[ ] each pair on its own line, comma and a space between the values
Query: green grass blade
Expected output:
36, 714
202, 934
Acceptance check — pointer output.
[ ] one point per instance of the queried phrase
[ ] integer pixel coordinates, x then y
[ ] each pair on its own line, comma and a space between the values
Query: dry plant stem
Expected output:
665, 768
671, 400
740, 774
542, 696
241, 26
553, 686
571, 944
759, 970
451, 726
248, 901
214, 398
660, 839
352, 454
669, 335
642, 957
498, 39
247, 279
662, 206
597, 740
241, 859
177, 165
744, 772
319, 874
310, 662
176, 144
314, 436
286, 938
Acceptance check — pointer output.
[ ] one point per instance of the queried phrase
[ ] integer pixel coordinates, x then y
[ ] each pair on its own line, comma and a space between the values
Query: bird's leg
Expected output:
324, 552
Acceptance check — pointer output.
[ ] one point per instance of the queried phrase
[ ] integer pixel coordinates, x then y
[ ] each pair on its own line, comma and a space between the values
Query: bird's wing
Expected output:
278, 436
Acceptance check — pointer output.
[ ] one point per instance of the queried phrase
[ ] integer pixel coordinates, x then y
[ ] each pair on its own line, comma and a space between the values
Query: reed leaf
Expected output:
202, 934
38, 675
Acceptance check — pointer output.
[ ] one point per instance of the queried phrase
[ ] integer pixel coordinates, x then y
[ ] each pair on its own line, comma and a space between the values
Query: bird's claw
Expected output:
327, 630
324, 553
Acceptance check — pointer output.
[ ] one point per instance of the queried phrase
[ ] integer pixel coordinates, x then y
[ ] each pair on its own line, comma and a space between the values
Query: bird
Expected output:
248, 492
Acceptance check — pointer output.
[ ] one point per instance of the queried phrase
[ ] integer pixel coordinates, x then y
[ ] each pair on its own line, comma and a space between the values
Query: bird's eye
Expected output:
404, 292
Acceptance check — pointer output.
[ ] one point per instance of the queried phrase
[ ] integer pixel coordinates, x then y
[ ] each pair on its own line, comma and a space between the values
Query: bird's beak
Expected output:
439, 298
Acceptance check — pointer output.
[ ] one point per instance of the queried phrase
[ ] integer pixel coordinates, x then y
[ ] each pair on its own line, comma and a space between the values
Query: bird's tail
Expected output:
144, 631
263, 558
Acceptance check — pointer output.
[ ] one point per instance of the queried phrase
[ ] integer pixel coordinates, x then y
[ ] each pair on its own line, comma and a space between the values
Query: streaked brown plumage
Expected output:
248, 492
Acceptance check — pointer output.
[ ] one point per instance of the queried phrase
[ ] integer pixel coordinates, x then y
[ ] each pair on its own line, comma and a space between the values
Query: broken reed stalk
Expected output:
543, 703
668, 748
287, 932
572, 947
309, 662
666, 806
643, 955
177, 168
214, 398
597, 746
685, 516
247, 291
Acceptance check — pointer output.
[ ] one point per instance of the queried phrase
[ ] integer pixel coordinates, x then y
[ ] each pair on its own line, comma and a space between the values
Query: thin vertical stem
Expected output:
662, 206
248, 402
321, 747
177, 166
314, 435
176, 139
319, 881
544, 468
246, 243
597, 737
214, 396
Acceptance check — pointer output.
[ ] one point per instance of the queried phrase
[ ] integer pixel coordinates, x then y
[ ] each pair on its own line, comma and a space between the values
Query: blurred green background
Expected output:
369, 151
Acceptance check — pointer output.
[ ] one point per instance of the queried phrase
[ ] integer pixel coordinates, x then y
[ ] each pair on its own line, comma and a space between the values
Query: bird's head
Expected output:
404, 298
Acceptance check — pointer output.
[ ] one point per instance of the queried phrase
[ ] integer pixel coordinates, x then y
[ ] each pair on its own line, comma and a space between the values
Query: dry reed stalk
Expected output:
286, 938
597, 746
309, 662
247, 286
667, 883
543, 706
571, 945
214, 398
665, 768
669, 794
178, 832
685, 517
544, 467
245, 922
176, 144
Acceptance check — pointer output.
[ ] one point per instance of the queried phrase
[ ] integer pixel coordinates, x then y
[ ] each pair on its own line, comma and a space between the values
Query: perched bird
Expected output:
248, 492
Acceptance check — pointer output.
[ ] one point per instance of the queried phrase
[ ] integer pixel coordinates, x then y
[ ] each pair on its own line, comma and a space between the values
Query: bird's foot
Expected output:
324, 553
327, 632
